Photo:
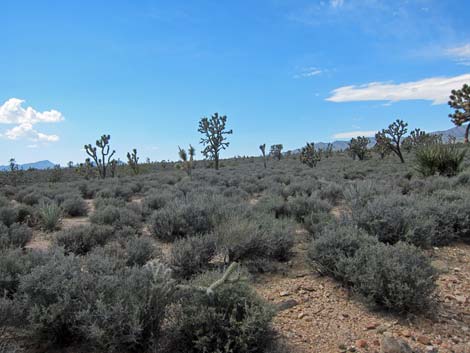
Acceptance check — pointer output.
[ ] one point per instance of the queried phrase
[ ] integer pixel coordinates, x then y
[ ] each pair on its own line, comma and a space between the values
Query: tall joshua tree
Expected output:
214, 136
101, 157
133, 161
358, 147
460, 102
263, 153
276, 151
309, 155
392, 137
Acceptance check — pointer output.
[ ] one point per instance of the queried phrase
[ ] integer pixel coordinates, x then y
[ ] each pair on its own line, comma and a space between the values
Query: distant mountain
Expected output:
458, 132
36, 165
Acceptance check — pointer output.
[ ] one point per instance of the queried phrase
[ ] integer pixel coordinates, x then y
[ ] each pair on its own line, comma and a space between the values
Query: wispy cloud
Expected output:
336, 3
351, 134
308, 72
461, 54
435, 89
13, 113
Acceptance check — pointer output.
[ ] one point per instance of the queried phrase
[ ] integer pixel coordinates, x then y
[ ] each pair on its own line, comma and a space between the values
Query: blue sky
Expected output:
283, 71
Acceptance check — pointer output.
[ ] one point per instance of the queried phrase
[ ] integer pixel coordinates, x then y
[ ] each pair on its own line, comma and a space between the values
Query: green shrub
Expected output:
233, 320
116, 216
384, 217
50, 215
13, 265
334, 249
82, 239
17, 236
75, 207
139, 251
445, 160
399, 277
192, 255
255, 238
181, 218
301, 206
8, 215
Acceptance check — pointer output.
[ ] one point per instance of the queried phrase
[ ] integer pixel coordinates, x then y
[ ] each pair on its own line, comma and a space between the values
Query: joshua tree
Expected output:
263, 153
460, 102
187, 163
85, 169
103, 161
113, 167
392, 137
276, 151
358, 147
13, 165
418, 138
381, 147
214, 138
309, 155
133, 161
329, 150
70, 164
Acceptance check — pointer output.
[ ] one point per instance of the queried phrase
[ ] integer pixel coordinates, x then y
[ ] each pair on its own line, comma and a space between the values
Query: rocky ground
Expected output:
319, 315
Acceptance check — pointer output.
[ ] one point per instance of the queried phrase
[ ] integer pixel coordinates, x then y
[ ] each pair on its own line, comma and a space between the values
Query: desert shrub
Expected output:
180, 218
192, 255
301, 206
82, 239
314, 222
26, 214
384, 217
272, 204
126, 308
52, 295
13, 265
335, 247
116, 216
86, 191
75, 207
50, 215
31, 198
233, 320
17, 236
255, 238
463, 178
332, 192
399, 277
158, 200
139, 251
96, 301
439, 159
8, 215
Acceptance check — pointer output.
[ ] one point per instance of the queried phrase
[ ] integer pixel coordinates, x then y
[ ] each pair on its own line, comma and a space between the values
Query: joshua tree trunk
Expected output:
466, 133
216, 161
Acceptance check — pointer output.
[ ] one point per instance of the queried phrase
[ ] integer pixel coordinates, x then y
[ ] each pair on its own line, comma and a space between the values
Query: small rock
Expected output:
390, 344
343, 348
284, 294
405, 333
361, 343
308, 288
301, 316
424, 340
286, 304
461, 299
431, 349
352, 349
372, 325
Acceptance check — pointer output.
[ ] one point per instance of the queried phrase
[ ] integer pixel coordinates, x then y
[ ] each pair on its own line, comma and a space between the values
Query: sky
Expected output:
282, 71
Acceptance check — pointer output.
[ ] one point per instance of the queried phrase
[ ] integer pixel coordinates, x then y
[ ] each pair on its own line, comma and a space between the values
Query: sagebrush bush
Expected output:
181, 218
17, 236
301, 206
399, 277
116, 216
335, 247
82, 239
192, 255
256, 238
233, 320
75, 207
384, 217
50, 215
14, 264
139, 251
8, 215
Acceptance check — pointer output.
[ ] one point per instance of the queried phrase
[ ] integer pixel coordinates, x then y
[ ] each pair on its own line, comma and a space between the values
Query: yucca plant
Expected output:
439, 159
50, 216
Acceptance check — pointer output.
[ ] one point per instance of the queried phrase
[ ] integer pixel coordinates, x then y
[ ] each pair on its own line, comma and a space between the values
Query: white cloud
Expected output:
435, 89
351, 134
308, 72
13, 113
336, 3
460, 54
